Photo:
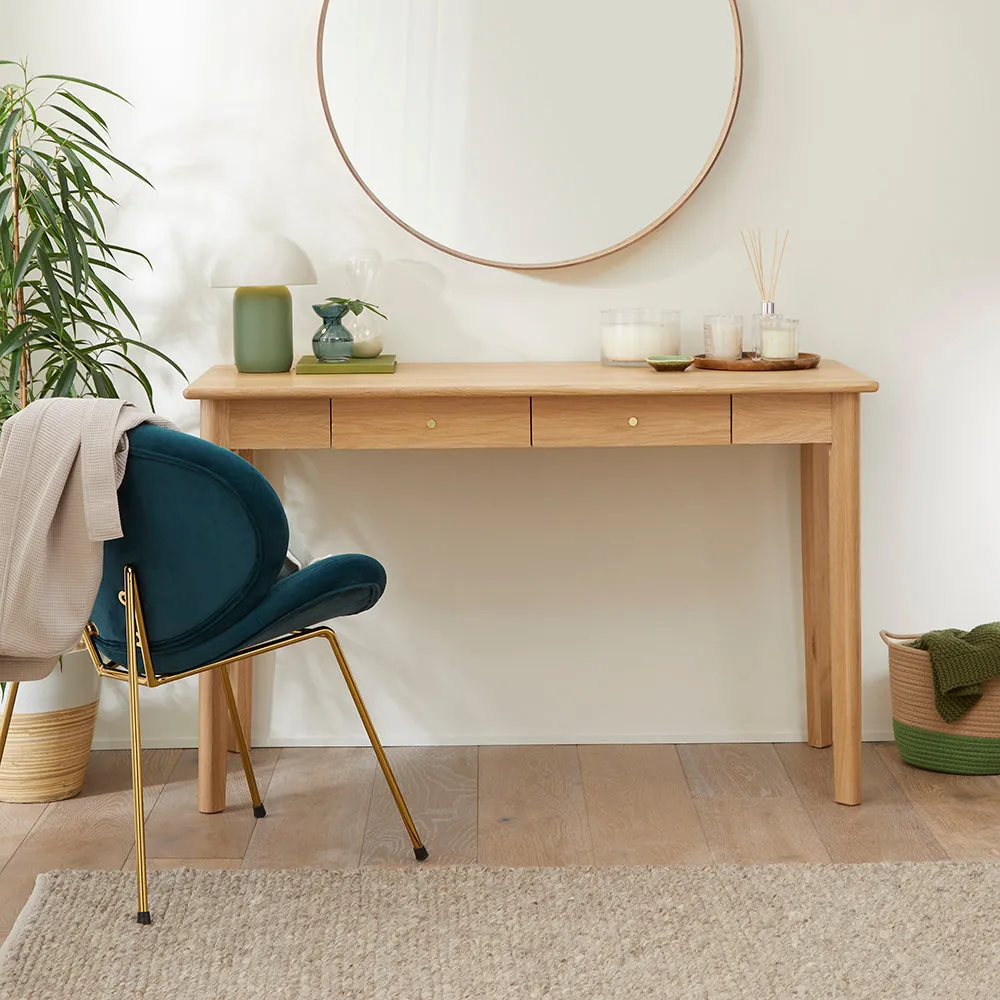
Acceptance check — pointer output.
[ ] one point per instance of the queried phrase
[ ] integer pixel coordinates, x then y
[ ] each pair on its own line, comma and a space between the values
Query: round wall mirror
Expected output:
529, 133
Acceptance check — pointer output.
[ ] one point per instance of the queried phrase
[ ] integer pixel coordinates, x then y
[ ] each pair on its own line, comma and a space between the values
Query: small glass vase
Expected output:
332, 341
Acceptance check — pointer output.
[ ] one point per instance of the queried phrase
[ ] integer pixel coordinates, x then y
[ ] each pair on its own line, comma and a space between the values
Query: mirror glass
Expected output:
529, 133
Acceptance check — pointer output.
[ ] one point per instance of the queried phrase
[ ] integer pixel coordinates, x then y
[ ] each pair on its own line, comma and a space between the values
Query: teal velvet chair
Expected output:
197, 582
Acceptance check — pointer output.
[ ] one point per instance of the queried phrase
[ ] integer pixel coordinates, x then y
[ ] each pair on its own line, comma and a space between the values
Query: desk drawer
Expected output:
782, 419
598, 421
279, 423
432, 422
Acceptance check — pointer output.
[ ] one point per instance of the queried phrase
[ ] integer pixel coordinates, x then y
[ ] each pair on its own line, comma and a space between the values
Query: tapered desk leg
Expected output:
241, 676
816, 591
212, 715
845, 597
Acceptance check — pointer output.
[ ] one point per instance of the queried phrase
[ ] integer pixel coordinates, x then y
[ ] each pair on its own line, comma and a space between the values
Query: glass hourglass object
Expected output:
363, 268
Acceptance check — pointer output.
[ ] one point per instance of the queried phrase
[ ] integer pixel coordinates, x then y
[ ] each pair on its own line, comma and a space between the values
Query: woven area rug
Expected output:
819, 931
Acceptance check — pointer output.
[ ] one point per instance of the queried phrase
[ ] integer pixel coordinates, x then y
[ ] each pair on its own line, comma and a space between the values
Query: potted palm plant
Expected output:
64, 331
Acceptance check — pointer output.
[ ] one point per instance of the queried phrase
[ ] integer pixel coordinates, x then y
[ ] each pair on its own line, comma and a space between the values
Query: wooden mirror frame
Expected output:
597, 255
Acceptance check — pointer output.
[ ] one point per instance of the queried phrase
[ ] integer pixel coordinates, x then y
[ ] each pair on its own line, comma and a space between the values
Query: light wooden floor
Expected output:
545, 805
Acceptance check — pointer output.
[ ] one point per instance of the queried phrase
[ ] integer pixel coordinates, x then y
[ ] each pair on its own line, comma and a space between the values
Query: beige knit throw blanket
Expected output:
61, 463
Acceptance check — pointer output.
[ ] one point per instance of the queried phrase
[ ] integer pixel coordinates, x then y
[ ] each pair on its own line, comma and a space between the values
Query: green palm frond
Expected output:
64, 330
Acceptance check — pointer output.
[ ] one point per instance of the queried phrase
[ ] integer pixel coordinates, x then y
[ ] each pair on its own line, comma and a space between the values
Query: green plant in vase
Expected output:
64, 330
333, 342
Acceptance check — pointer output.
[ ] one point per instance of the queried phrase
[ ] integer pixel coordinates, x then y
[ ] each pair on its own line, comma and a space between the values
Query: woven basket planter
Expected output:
969, 746
46, 755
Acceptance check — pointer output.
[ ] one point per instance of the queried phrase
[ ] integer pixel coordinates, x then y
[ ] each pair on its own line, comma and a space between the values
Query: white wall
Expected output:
595, 595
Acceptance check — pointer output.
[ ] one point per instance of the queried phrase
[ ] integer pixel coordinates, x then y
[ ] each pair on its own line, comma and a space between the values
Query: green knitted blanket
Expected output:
961, 662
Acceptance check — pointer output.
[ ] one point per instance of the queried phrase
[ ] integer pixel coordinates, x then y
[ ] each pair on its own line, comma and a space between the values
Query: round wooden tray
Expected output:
748, 363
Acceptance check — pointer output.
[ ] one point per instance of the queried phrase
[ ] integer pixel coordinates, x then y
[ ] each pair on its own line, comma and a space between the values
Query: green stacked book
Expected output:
384, 363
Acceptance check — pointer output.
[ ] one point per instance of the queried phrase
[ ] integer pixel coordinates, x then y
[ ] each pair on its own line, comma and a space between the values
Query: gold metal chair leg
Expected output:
419, 851
131, 640
8, 713
241, 740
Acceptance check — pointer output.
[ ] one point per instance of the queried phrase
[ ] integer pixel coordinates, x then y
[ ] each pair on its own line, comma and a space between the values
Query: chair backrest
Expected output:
205, 532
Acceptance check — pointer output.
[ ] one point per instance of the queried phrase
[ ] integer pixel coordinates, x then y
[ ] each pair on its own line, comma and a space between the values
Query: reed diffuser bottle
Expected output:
774, 336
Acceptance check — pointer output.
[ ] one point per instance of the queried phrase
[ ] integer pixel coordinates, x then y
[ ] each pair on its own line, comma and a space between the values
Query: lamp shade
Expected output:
262, 259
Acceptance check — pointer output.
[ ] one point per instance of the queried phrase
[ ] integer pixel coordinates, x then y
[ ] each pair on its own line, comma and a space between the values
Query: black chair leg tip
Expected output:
420, 853
143, 917
259, 811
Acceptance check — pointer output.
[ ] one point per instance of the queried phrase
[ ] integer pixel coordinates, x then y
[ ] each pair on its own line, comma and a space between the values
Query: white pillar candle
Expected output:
778, 342
630, 336
636, 341
724, 336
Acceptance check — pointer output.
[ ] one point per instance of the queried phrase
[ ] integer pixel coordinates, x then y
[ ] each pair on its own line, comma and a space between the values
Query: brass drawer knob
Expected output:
633, 421
432, 423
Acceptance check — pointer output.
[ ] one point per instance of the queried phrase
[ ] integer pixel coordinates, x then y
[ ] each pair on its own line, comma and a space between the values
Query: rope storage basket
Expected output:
971, 745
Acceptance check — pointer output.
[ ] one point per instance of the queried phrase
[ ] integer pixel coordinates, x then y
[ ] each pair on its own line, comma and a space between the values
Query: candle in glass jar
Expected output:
778, 338
629, 336
724, 337
631, 341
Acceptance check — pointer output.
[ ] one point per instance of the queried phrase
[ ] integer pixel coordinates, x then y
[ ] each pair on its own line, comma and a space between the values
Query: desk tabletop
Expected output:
524, 378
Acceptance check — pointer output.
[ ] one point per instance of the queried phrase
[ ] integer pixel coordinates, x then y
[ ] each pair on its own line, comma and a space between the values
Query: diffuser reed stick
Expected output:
753, 243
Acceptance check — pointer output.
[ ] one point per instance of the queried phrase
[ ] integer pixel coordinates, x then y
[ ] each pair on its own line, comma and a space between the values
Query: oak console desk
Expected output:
582, 404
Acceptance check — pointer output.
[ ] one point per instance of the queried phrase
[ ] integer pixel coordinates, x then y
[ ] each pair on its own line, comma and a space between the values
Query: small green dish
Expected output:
670, 362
